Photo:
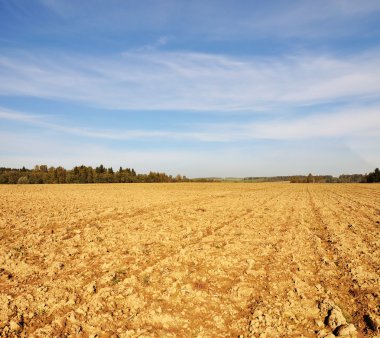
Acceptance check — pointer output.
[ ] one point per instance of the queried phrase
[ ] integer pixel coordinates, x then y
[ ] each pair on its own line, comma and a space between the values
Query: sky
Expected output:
198, 88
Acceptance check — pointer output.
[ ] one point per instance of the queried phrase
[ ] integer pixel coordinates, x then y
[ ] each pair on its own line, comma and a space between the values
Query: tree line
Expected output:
42, 174
354, 178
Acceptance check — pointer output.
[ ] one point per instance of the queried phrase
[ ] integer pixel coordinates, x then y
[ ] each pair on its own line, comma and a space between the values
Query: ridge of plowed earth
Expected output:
188, 260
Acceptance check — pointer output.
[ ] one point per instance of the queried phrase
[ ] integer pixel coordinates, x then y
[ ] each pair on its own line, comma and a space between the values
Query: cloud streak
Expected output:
339, 124
191, 81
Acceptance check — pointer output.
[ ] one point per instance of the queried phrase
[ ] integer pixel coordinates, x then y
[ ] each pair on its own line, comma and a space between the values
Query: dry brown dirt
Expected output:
190, 260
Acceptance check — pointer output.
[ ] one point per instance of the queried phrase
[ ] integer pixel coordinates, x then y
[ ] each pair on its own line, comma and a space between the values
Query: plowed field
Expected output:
190, 260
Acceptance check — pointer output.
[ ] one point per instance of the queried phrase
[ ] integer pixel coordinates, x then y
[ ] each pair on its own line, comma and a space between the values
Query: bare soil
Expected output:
190, 260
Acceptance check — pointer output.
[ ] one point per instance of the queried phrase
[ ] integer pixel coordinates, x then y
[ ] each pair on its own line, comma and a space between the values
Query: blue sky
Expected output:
201, 88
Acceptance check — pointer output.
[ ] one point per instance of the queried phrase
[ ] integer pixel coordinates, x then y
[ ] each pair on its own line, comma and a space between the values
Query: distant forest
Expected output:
354, 178
41, 174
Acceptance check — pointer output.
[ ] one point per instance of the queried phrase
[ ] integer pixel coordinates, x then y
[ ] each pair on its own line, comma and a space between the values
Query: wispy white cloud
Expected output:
158, 43
191, 81
349, 123
6, 114
45, 121
313, 19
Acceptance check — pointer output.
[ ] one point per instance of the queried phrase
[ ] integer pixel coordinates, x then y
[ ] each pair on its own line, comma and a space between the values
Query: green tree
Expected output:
374, 176
310, 179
